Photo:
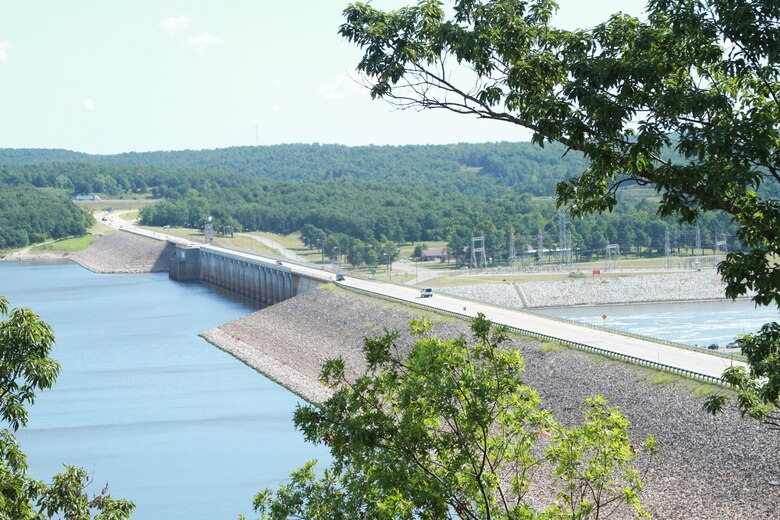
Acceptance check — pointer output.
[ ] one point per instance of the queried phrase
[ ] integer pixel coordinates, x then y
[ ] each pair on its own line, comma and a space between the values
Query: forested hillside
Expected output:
29, 215
368, 194
461, 167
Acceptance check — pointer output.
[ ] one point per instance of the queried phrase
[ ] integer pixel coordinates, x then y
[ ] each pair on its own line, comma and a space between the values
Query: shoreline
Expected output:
618, 304
43, 258
278, 372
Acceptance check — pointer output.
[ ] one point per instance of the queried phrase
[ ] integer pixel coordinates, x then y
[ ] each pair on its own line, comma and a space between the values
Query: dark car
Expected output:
339, 277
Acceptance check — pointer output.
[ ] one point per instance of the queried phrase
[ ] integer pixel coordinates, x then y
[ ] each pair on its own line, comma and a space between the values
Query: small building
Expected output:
442, 255
86, 197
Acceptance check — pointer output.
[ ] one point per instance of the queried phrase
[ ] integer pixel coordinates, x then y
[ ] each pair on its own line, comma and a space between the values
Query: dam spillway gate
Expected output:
259, 280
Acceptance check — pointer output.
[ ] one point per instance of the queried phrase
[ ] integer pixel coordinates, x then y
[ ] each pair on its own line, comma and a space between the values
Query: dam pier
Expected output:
263, 280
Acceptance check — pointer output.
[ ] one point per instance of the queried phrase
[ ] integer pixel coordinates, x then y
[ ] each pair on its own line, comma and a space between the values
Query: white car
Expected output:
426, 292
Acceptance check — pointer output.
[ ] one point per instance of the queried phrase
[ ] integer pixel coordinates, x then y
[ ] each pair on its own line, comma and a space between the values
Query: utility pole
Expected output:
208, 230
561, 238
564, 242
697, 262
511, 257
539, 249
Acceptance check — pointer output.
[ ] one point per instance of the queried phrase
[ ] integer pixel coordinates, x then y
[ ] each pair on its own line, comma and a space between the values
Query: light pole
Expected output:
337, 256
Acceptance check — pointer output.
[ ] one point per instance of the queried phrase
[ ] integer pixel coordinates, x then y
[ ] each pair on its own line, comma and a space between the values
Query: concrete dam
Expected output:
263, 280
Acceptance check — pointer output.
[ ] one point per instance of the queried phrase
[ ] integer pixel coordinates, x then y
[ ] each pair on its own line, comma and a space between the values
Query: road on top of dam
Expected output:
696, 361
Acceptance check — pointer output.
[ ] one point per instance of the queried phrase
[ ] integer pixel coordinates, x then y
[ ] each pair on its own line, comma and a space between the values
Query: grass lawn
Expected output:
68, 245
190, 234
467, 278
406, 250
439, 266
237, 242
115, 204
246, 243
99, 228
294, 244
394, 276
292, 241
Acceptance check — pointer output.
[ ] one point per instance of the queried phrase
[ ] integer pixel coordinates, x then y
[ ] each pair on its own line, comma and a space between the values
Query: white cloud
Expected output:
4, 46
89, 104
174, 24
202, 41
344, 84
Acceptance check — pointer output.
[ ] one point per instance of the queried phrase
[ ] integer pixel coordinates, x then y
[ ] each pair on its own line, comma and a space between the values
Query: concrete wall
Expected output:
255, 279
184, 263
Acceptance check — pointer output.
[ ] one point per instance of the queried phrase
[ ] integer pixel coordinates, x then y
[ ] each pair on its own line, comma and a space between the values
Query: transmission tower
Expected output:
613, 256
721, 246
481, 262
208, 230
668, 249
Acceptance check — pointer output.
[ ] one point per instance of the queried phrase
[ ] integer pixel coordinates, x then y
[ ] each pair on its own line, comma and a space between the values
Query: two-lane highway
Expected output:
700, 362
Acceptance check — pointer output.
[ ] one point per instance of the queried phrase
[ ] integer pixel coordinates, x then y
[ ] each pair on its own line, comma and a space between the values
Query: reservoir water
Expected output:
169, 421
700, 323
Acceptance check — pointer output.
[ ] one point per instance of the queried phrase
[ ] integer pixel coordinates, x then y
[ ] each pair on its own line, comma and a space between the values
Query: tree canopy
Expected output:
25, 367
448, 429
29, 215
687, 102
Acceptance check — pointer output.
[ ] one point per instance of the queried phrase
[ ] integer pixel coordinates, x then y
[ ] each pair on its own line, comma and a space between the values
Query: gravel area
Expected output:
124, 253
706, 468
686, 286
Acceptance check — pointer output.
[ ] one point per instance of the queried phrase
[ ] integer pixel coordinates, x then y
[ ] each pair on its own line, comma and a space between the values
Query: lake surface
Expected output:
701, 323
169, 421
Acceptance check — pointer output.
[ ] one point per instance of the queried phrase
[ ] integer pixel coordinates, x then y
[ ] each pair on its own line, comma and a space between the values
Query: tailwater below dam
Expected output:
690, 323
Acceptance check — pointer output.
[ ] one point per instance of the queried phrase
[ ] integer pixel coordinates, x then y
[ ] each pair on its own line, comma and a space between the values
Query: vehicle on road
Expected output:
426, 292
339, 277
279, 262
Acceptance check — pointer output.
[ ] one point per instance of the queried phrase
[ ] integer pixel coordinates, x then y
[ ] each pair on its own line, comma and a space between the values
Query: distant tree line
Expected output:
363, 197
458, 167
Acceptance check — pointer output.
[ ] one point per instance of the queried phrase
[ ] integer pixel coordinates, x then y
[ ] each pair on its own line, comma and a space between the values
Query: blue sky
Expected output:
130, 75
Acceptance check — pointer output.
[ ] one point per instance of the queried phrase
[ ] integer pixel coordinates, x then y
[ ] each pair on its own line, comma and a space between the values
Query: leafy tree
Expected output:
450, 430
687, 102
25, 367
29, 215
